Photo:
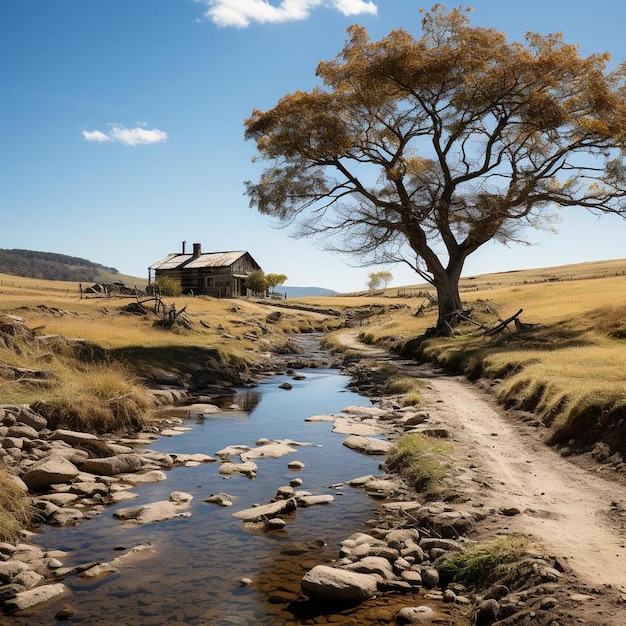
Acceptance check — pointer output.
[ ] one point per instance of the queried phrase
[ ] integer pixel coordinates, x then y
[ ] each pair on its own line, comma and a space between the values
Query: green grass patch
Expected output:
482, 564
423, 461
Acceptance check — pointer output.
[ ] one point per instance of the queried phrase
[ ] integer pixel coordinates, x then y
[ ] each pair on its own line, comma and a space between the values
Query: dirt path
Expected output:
578, 515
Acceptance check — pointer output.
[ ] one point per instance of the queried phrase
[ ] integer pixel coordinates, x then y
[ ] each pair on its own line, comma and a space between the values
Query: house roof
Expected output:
206, 259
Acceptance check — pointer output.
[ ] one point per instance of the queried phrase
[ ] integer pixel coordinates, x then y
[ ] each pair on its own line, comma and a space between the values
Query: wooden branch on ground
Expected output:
504, 324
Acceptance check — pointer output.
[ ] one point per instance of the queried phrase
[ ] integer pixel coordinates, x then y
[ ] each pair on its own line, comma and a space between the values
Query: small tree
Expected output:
378, 279
274, 280
256, 282
374, 281
421, 151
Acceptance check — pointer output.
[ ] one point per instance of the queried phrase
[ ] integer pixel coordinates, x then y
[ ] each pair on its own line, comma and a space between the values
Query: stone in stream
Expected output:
221, 499
248, 469
31, 597
367, 445
338, 585
157, 511
49, 471
266, 511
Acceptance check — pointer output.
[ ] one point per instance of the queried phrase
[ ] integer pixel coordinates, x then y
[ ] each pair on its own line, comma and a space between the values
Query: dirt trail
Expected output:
576, 514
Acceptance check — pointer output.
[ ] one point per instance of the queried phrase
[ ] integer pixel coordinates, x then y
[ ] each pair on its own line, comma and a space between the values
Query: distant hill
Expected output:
302, 292
53, 266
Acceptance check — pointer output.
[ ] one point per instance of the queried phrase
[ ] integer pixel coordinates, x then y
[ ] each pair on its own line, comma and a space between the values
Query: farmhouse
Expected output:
217, 274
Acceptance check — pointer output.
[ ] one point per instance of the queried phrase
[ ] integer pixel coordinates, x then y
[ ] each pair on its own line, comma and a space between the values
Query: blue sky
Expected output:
121, 125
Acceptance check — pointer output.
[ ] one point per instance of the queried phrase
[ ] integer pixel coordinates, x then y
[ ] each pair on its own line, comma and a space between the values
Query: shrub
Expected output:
483, 563
168, 286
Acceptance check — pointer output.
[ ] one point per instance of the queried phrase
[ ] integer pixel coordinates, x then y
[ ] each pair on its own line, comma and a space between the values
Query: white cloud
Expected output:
240, 13
127, 136
96, 136
355, 7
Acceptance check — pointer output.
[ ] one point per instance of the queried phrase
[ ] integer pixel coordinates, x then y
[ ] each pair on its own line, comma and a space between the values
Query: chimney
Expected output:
184, 242
197, 250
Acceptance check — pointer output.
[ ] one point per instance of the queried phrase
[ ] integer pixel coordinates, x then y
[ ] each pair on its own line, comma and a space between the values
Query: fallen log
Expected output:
504, 324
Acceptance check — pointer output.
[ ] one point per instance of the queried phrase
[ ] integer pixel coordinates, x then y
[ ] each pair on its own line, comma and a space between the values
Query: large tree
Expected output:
420, 151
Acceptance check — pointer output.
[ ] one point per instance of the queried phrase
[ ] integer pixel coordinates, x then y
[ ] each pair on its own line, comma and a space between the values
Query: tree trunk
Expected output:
448, 297
449, 303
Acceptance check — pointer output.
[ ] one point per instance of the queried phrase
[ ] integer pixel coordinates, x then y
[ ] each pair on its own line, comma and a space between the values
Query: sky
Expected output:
121, 125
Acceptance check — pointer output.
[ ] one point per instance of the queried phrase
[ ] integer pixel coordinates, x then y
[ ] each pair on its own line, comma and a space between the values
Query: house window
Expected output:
209, 282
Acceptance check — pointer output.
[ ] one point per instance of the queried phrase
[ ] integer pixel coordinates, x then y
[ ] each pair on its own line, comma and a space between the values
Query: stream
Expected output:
192, 574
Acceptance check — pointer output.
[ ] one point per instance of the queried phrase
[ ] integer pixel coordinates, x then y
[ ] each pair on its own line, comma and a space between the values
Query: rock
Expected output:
415, 615
381, 488
153, 476
10, 569
271, 450
412, 577
248, 469
222, 499
51, 470
295, 465
305, 501
112, 465
414, 419
276, 523
367, 445
99, 570
486, 613
21, 431
285, 492
180, 497
27, 416
232, 451
347, 426
320, 418
364, 411
338, 585
73, 437
430, 577
37, 595
185, 459
65, 516
373, 565
13, 442
266, 511
28, 579
156, 512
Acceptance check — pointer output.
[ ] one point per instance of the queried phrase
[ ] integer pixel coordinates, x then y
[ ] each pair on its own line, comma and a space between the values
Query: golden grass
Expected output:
16, 508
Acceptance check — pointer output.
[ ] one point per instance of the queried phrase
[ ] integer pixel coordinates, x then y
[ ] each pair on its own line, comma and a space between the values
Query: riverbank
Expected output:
504, 474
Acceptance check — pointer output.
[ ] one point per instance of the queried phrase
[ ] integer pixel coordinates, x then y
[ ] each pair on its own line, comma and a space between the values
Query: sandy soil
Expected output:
577, 514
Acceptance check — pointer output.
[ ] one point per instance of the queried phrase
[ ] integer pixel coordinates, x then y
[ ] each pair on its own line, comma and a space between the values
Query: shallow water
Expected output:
192, 574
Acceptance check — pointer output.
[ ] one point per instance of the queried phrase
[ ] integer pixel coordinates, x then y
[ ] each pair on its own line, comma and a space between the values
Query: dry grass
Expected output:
16, 509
